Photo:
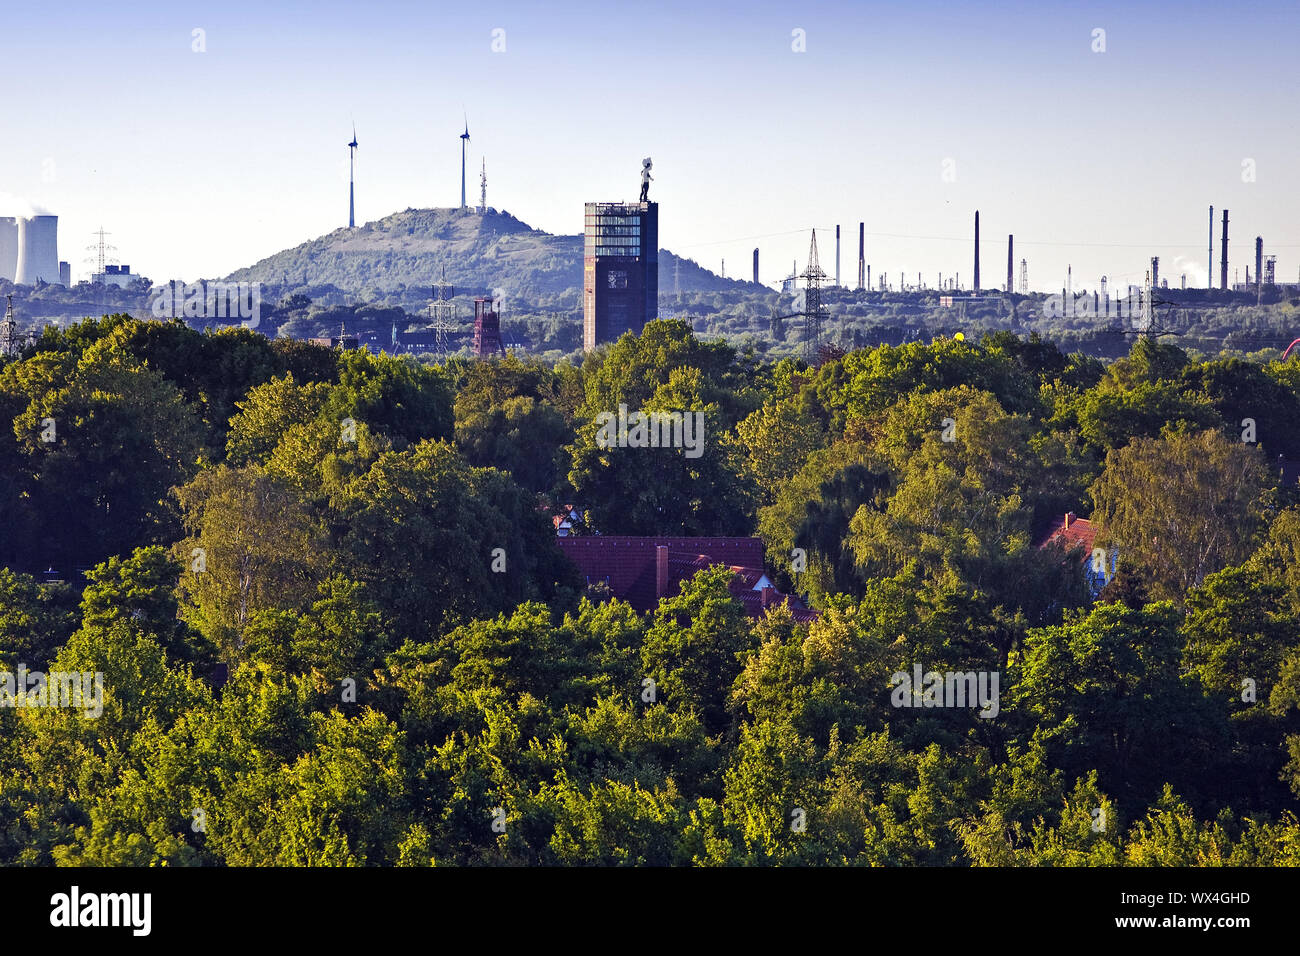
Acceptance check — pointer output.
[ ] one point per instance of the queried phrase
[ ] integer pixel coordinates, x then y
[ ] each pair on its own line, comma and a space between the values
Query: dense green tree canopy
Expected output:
323, 620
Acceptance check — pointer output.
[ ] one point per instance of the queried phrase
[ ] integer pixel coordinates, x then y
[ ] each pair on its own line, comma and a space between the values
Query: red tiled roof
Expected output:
630, 566
752, 601
1070, 532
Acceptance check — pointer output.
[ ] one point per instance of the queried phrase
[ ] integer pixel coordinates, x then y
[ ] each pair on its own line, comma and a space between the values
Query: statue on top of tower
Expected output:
646, 179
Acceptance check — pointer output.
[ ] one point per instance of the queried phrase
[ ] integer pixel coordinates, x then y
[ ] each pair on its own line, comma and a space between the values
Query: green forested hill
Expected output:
409, 249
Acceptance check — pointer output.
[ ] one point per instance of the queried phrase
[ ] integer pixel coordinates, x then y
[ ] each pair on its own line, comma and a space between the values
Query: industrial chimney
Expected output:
1259, 263
1011, 242
977, 250
755, 267
862, 255
38, 255
8, 247
837, 257
1223, 261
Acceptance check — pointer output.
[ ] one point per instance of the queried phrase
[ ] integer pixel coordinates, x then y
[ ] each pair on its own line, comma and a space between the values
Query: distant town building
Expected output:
620, 270
415, 342
342, 341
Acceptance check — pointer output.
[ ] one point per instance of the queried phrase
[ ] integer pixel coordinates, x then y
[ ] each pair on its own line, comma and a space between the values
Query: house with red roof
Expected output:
641, 570
1076, 535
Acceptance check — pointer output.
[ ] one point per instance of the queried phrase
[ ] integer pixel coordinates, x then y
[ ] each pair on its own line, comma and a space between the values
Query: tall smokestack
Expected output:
837, 256
862, 255
1155, 272
1011, 242
755, 267
1223, 253
1259, 262
977, 250
1209, 261
8, 247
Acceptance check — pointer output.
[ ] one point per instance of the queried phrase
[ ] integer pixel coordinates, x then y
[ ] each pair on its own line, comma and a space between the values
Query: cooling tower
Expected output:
38, 250
8, 247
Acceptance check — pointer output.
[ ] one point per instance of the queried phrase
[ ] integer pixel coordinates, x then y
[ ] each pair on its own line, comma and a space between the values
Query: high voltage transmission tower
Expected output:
808, 304
813, 312
101, 251
443, 312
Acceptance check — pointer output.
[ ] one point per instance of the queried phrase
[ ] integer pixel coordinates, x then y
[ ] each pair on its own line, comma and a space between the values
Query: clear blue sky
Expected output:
199, 163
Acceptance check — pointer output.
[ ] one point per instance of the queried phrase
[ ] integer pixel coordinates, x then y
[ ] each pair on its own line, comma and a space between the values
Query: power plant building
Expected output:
119, 276
29, 249
620, 270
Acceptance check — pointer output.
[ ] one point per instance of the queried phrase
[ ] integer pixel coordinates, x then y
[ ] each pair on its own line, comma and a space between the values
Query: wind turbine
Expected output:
352, 161
464, 139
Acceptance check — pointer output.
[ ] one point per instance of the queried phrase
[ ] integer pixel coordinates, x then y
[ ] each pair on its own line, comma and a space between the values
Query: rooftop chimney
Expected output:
661, 571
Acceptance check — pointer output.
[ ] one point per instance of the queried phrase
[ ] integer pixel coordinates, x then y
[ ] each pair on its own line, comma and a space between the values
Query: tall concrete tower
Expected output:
1011, 244
620, 270
755, 267
977, 250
